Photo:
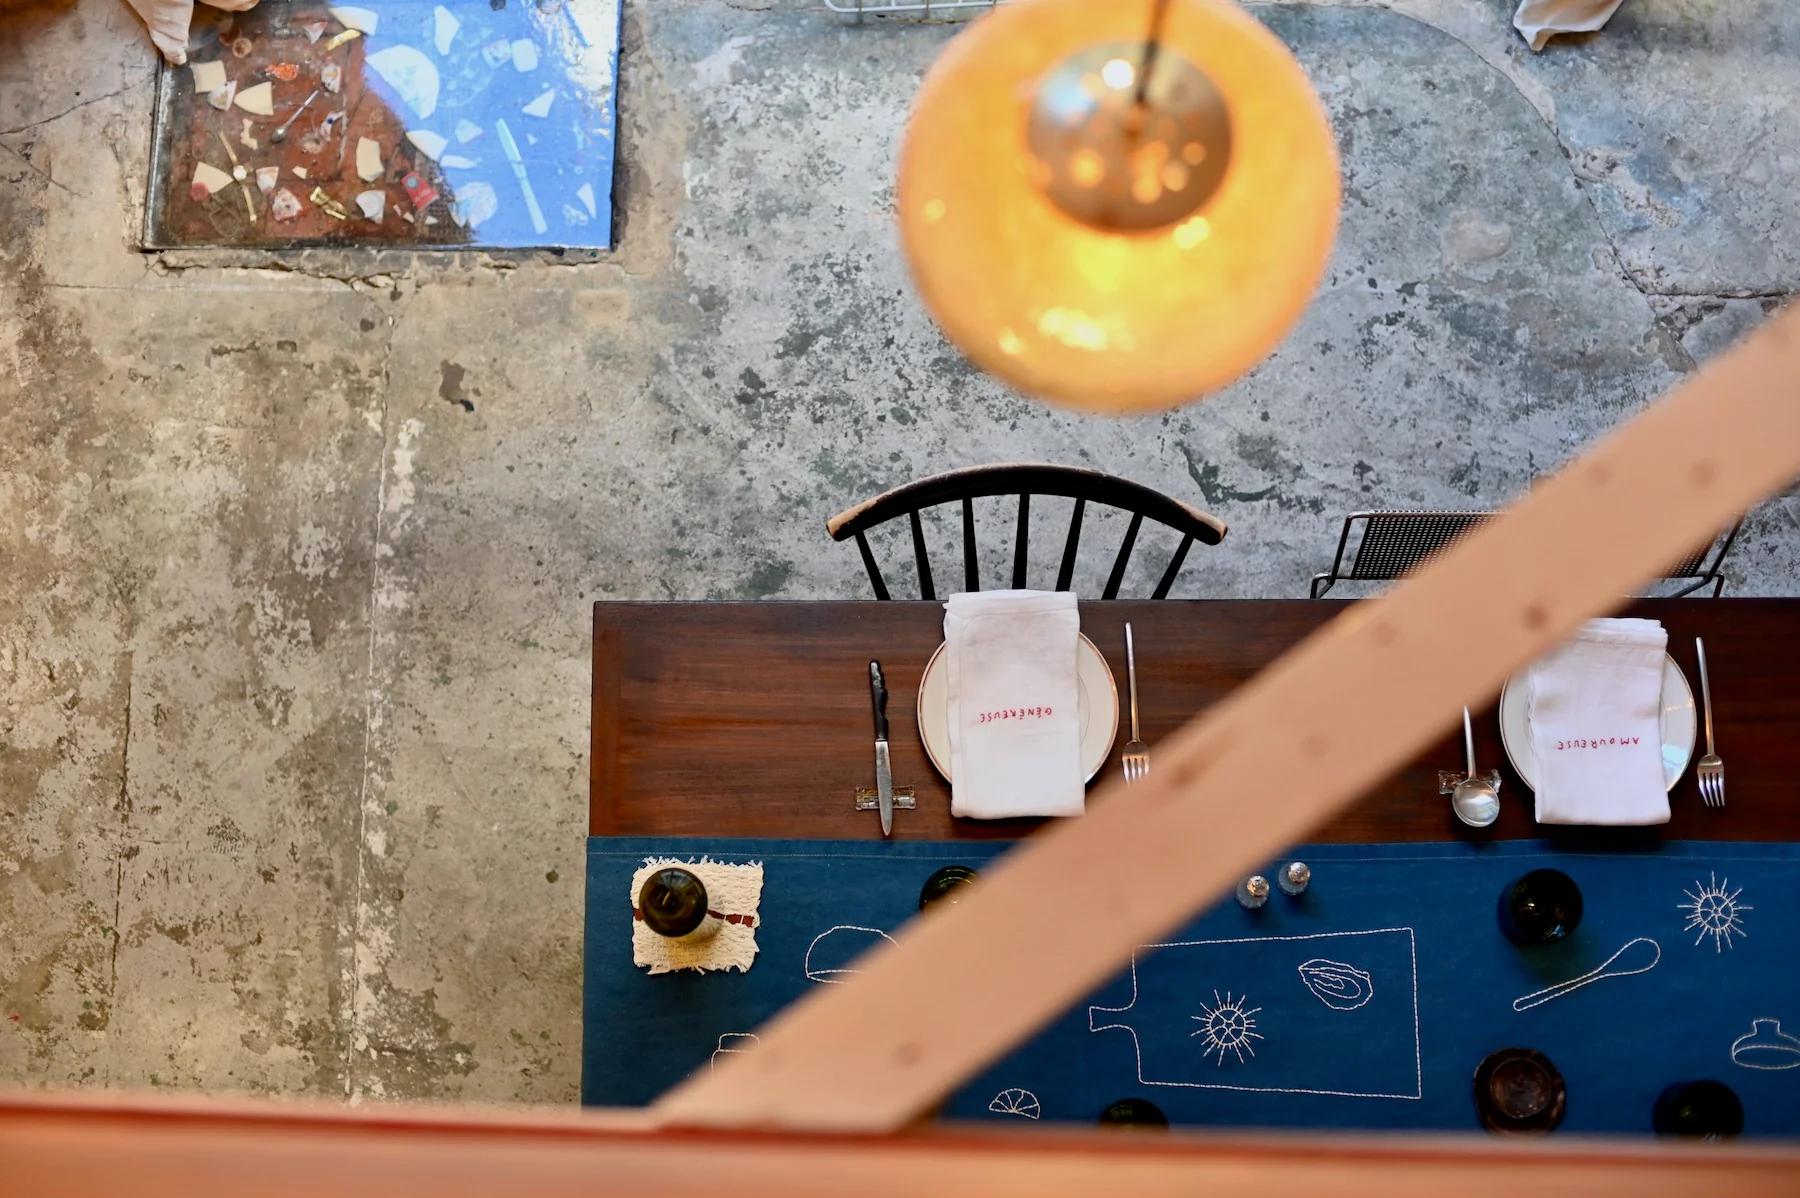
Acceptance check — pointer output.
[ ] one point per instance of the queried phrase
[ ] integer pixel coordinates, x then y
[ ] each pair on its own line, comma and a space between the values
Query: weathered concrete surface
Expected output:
295, 562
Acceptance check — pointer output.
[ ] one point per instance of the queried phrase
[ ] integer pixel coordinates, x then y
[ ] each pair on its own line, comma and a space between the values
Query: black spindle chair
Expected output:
1394, 542
1024, 480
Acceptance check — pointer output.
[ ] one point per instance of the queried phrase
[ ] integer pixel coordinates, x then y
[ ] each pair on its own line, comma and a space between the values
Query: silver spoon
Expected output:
1475, 800
280, 133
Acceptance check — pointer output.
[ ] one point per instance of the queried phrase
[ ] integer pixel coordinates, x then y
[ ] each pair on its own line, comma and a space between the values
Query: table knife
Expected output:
884, 774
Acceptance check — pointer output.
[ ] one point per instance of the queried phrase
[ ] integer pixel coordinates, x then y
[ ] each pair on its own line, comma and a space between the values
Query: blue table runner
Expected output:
1367, 1002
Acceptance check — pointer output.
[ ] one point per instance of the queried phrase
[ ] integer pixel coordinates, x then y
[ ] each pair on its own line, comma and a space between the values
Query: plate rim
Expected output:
1112, 687
1670, 664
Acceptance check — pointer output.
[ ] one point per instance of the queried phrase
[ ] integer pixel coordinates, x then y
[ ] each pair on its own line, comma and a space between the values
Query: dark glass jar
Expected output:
1519, 1090
1707, 1109
672, 903
1540, 908
1134, 1112
946, 885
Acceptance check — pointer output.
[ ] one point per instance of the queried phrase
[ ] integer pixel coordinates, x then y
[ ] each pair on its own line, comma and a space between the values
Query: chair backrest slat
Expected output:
868, 560
1168, 577
921, 558
1024, 480
1118, 567
971, 562
1022, 541
1066, 572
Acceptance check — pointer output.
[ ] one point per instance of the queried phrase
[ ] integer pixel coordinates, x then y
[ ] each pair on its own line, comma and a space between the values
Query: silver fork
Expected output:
1711, 770
1136, 759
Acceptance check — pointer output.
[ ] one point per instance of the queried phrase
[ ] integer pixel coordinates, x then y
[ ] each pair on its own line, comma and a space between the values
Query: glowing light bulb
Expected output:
1101, 253
1118, 74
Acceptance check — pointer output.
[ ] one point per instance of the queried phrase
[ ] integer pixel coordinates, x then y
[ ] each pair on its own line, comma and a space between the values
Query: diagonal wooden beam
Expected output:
1253, 775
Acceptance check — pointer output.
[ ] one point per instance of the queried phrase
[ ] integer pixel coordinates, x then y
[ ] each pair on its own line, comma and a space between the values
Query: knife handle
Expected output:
878, 698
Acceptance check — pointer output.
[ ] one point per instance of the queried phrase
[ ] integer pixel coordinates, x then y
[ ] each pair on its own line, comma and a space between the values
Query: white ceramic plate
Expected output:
1677, 725
1097, 709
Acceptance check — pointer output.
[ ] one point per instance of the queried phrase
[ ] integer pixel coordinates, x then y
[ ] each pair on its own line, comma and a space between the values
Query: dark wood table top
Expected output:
752, 719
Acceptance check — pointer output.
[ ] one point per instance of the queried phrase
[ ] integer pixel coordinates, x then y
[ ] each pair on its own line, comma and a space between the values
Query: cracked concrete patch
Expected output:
1688, 176
40, 122
299, 548
1708, 325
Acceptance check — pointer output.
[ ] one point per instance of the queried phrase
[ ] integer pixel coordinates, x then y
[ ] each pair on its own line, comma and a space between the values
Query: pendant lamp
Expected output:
1117, 205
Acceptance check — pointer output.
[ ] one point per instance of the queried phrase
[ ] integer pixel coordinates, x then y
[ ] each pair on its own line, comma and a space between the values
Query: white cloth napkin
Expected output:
1015, 734
1539, 20
1596, 726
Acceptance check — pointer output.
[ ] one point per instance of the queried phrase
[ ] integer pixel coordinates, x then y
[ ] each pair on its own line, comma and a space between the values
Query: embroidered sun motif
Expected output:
1714, 909
1228, 1027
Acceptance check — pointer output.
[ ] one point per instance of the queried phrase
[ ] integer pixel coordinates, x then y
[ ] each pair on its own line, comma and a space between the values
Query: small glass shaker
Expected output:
1253, 892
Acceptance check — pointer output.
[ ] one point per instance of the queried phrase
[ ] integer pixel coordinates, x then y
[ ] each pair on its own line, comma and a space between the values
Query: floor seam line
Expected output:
353, 984
124, 804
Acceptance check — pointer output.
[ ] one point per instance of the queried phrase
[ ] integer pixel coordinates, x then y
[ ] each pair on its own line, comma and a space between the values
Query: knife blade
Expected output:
884, 774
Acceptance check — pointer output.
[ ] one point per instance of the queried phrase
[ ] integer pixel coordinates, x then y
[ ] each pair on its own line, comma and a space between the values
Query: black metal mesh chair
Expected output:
1083, 486
1393, 542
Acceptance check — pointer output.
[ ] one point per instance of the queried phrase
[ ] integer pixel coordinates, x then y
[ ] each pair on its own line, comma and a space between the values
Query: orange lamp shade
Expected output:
1022, 245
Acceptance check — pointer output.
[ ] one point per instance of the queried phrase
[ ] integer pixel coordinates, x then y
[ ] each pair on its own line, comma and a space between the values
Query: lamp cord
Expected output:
1152, 43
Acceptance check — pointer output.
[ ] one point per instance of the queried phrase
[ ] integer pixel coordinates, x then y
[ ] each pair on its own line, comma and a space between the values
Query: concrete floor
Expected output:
296, 553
